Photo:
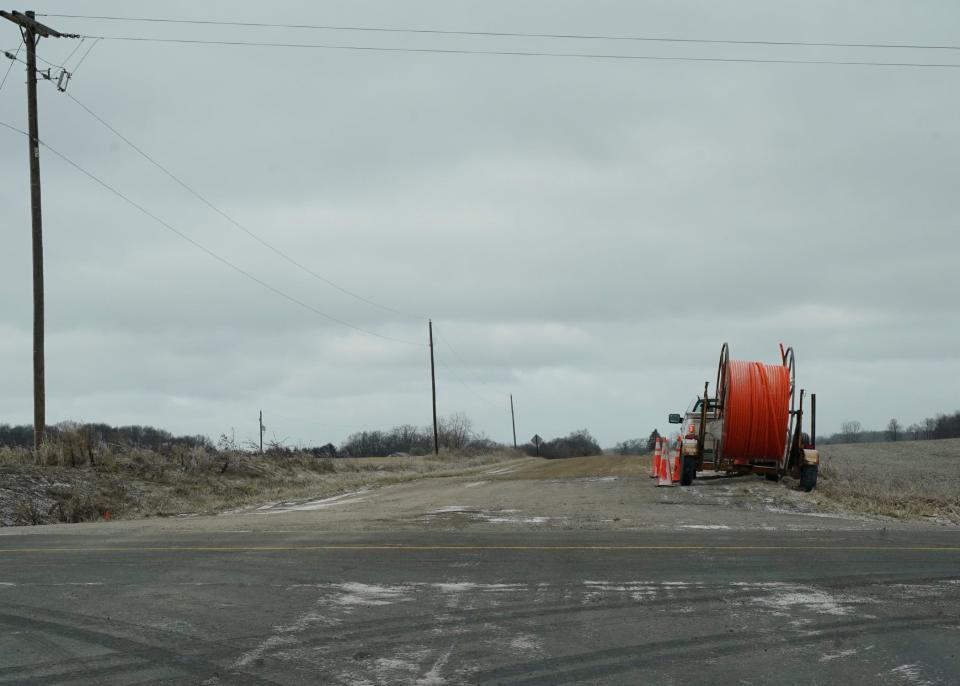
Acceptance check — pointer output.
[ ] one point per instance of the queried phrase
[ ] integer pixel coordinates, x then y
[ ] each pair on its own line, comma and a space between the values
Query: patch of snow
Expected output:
368, 594
526, 643
320, 504
911, 674
474, 484
917, 590
282, 636
464, 586
823, 515
505, 516
759, 584
458, 587
635, 590
501, 470
432, 677
808, 598
517, 520
837, 655
341, 499
392, 664
703, 526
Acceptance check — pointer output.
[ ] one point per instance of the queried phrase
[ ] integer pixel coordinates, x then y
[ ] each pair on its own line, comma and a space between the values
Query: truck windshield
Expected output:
711, 405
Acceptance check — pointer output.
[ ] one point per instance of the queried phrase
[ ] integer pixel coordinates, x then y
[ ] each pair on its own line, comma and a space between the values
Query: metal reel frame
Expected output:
790, 362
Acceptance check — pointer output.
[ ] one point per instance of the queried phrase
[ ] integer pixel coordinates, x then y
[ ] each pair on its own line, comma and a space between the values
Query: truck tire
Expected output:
808, 477
688, 470
772, 477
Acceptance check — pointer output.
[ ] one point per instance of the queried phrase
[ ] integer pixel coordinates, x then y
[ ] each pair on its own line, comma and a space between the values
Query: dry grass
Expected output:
583, 467
45, 487
907, 479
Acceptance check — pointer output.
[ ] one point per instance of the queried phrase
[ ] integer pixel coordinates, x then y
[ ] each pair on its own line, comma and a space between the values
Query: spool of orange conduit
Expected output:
756, 407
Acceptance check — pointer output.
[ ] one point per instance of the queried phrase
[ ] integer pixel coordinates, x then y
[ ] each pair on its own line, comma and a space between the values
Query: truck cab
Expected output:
690, 435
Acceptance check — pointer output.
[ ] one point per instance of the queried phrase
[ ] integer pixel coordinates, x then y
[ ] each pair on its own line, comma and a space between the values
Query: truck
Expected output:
753, 423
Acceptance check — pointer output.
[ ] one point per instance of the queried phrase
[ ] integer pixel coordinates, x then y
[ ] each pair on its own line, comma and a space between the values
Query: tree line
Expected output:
638, 446
455, 433
940, 426
134, 436
575, 444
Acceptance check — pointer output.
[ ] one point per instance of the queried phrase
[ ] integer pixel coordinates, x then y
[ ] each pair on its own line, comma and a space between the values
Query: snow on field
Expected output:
322, 503
501, 470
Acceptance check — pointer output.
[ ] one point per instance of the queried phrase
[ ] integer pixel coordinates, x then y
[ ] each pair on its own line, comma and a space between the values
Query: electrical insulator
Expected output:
63, 80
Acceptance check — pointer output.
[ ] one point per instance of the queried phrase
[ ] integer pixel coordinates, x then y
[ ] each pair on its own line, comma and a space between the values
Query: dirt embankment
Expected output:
55, 487
909, 479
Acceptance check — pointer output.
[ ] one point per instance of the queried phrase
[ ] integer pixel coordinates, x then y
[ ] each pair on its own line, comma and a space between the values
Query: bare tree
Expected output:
893, 430
851, 430
455, 431
915, 431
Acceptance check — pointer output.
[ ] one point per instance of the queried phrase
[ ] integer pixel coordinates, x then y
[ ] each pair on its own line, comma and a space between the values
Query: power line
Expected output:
521, 53
513, 34
208, 251
457, 376
464, 383
13, 59
49, 63
73, 52
86, 54
183, 184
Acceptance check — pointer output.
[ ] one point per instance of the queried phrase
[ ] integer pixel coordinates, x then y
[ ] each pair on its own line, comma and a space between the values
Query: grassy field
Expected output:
59, 486
901, 479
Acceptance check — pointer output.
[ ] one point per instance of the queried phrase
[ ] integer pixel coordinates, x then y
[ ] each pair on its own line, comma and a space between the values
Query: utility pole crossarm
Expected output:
31, 24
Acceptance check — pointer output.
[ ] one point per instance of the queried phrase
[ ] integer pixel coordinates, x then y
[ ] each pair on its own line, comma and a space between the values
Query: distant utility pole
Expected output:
433, 387
261, 432
513, 421
33, 31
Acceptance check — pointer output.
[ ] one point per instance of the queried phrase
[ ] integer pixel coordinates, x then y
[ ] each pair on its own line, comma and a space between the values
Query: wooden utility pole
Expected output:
513, 421
33, 31
261, 432
433, 388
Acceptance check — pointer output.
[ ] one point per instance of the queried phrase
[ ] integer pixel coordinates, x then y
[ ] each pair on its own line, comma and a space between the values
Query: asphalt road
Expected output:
522, 577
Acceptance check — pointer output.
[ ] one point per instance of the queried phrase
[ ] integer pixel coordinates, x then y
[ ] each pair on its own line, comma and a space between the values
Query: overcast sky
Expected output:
585, 233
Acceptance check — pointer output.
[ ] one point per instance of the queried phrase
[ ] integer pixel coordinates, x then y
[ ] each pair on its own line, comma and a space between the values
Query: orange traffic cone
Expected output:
663, 471
655, 466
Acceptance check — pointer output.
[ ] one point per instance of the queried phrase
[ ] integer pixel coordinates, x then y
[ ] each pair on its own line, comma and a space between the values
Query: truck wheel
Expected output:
688, 470
808, 477
772, 477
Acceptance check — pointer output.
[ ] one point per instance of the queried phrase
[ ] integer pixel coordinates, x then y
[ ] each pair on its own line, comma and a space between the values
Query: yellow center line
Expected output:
519, 548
